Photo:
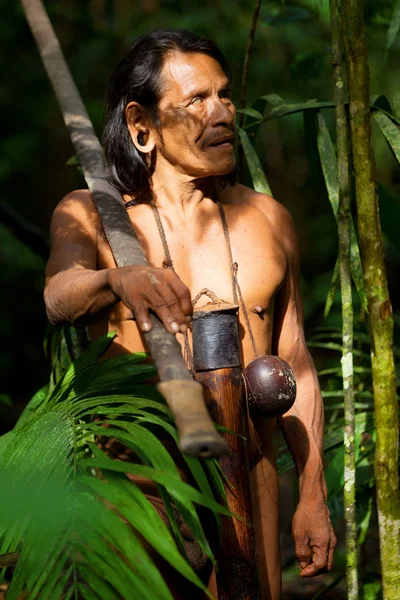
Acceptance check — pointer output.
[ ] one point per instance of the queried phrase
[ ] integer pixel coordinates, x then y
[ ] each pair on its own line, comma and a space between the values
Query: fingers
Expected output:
320, 560
169, 298
183, 295
332, 546
169, 311
303, 552
142, 318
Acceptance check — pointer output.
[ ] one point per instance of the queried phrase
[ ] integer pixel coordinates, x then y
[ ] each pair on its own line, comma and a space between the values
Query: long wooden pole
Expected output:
376, 288
344, 232
184, 396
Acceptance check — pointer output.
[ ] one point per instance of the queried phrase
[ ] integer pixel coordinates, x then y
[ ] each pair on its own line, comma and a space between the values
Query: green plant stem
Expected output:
379, 306
344, 232
249, 48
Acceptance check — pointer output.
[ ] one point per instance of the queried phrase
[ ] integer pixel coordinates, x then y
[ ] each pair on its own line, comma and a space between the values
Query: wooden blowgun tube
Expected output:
197, 434
217, 363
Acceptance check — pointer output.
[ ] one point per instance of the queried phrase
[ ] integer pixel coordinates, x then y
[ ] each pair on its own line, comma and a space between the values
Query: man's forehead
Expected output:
184, 73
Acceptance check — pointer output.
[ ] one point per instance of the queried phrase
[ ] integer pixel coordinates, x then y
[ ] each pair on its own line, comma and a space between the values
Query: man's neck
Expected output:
182, 193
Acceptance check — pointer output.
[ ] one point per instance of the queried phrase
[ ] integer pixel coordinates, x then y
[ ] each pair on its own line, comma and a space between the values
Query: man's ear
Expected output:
138, 124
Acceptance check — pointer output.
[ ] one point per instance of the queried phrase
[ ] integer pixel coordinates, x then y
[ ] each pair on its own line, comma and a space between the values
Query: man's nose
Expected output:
222, 112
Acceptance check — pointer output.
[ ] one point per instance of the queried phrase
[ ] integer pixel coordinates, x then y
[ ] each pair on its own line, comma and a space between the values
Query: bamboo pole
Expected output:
249, 48
344, 232
197, 434
379, 306
217, 363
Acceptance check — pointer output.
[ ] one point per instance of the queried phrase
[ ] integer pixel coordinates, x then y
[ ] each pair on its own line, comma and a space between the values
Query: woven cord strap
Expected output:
235, 283
236, 291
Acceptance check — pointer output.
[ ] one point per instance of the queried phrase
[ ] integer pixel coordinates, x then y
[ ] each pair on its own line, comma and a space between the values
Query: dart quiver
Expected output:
217, 365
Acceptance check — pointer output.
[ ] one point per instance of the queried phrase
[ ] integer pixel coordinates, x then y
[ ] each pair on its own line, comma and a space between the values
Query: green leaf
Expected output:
389, 130
250, 112
33, 404
364, 521
73, 161
330, 171
334, 286
71, 541
287, 109
260, 182
143, 517
177, 488
394, 27
371, 591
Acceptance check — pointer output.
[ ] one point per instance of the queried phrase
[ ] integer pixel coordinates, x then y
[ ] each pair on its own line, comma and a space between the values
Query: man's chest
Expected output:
199, 250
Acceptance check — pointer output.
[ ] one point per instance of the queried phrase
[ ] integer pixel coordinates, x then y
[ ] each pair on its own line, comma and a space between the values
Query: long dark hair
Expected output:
137, 78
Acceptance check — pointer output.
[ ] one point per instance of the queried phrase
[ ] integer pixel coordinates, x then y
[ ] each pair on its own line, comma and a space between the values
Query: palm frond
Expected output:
81, 527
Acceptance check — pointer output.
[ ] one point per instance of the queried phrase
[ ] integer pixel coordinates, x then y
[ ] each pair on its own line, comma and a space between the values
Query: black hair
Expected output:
137, 78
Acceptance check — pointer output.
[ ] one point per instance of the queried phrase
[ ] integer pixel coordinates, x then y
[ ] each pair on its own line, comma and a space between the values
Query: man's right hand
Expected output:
142, 288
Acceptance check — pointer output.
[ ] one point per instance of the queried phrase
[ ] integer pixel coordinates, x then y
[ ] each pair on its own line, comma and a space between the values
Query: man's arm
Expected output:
76, 292
303, 424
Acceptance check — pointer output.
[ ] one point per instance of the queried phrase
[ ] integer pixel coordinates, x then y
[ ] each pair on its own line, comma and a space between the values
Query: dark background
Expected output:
291, 58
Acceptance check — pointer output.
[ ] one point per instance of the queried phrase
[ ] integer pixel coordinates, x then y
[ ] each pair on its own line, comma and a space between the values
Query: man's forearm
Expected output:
79, 296
303, 428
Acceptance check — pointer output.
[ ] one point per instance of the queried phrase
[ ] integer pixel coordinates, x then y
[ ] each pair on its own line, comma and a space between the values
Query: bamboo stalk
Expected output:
247, 56
379, 306
197, 434
344, 232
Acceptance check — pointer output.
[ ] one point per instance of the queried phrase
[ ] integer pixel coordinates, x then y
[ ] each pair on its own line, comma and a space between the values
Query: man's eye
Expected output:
196, 101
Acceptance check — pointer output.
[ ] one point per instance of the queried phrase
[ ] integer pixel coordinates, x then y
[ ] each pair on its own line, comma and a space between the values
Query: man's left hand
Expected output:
314, 537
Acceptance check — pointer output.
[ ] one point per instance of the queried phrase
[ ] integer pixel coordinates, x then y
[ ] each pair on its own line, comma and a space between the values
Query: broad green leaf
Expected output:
389, 130
288, 109
250, 112
391, 116
260, 182
394, 27
330, 171
396, 105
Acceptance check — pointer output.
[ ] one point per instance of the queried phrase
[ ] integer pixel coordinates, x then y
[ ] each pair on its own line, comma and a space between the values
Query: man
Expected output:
169, 145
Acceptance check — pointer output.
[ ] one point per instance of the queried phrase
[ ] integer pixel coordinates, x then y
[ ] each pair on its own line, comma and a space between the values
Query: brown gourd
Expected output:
270, 386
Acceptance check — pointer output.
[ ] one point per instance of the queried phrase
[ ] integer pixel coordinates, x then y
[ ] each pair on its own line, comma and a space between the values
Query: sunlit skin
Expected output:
84, 286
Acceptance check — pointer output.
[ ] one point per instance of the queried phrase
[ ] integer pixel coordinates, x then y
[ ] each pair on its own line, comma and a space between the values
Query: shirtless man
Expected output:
169, 135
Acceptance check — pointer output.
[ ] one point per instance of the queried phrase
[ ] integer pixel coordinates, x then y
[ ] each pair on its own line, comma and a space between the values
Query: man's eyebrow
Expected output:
203, 91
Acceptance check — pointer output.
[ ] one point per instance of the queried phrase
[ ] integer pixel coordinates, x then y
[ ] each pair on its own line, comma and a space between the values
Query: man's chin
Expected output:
223, 170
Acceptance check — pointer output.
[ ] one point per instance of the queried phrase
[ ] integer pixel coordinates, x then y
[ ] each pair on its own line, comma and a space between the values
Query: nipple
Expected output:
258, 310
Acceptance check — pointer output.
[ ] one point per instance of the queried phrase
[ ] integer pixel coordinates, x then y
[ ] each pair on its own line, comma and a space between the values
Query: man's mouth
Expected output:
223, 142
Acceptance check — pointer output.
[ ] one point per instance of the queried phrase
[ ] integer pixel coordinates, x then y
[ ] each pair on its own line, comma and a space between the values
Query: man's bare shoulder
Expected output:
276, 214
76, 208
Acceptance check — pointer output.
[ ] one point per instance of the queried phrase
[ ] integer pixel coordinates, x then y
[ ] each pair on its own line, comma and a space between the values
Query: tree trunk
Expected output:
380, 310
344, 232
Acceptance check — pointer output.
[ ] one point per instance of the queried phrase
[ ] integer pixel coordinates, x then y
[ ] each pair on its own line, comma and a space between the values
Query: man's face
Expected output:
197, 116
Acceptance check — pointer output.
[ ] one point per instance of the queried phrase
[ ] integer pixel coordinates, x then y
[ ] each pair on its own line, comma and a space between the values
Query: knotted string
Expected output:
236, 291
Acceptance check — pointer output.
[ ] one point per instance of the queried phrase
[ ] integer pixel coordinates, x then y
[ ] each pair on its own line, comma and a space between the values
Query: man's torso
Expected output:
201, 259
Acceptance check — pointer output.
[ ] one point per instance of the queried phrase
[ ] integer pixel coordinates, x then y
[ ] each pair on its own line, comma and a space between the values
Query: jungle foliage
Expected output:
289, 142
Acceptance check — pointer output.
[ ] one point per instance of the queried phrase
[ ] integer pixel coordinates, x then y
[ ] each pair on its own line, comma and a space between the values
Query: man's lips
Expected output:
225, 140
